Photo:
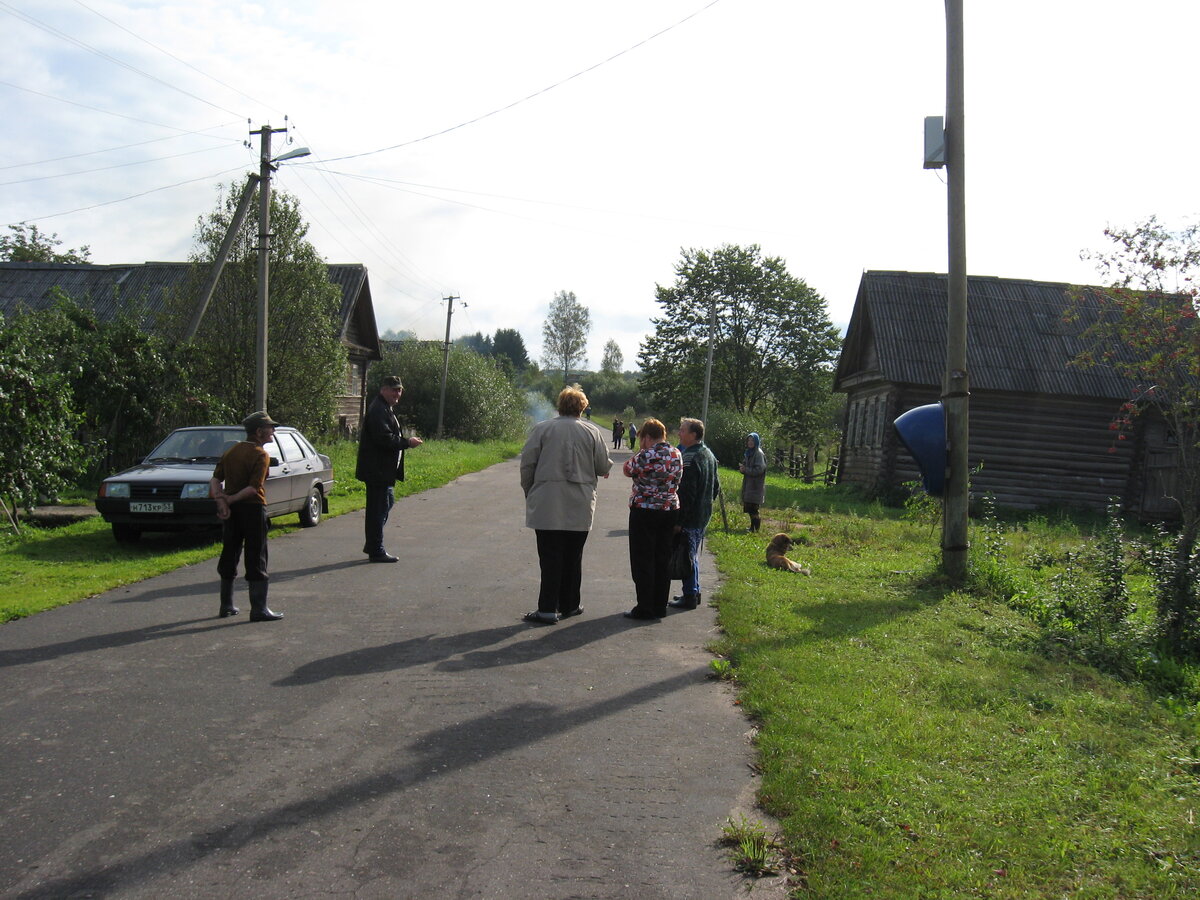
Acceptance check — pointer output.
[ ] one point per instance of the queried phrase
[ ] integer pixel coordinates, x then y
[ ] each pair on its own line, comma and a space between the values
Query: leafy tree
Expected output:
27, 244
306, 364
509, 344
564, 335
614, 359
40, 419
1143, 326
773, 341
481, 403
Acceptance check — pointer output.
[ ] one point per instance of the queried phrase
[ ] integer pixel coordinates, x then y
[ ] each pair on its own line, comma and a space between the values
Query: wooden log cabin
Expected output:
1040, 429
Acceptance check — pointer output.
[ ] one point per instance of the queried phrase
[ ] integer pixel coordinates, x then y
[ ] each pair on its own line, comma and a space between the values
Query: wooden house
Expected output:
28, 285
1041, 430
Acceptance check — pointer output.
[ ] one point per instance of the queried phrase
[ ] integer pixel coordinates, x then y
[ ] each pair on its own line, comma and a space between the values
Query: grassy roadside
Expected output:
914, 744
44, 568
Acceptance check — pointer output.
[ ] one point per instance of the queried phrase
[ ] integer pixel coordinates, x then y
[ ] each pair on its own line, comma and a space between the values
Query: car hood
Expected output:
200, 470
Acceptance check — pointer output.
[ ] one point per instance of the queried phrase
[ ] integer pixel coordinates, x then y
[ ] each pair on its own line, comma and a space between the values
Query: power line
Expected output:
139, 162
50, 29
170, 137
529, 97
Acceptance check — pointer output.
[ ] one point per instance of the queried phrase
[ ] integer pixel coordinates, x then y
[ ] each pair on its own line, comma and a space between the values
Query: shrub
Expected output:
481, 402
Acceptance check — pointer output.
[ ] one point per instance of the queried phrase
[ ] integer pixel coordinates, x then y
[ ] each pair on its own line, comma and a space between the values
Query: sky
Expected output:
503, 152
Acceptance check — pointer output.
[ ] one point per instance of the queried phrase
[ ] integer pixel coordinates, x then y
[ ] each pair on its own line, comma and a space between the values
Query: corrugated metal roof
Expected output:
1016, 338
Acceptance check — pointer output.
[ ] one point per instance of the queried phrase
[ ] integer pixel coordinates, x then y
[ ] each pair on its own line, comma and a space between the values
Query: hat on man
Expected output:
257, 420
392, 381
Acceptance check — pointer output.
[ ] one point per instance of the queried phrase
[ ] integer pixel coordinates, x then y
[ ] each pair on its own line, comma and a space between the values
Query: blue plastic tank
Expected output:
922, 430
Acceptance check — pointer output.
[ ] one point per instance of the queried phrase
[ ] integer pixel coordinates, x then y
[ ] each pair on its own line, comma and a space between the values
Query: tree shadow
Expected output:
436, 754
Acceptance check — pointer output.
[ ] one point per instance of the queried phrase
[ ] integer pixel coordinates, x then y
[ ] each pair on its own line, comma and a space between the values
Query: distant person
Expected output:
561, 462
697, 490
632, 437
381, 446
656, 470
754, 478
618, 433
238, 485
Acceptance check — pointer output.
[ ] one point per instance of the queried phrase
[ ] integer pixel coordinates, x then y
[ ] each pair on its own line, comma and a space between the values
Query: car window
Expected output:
287, 444
193, 444
305, 445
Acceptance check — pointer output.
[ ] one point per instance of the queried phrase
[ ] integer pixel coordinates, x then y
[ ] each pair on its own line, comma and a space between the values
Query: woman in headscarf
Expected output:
754, 478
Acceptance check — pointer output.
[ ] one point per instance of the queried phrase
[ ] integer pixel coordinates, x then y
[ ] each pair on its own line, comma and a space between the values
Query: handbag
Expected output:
680, 565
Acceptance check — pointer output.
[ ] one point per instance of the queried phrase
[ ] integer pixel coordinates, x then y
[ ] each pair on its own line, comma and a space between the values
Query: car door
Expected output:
279, 481
292, 468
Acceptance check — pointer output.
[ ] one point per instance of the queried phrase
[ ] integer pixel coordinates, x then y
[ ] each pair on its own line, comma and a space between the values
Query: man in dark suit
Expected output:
381, 447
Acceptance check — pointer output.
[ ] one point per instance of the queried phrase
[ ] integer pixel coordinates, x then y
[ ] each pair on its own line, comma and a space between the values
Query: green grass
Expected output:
44, 568
914, 744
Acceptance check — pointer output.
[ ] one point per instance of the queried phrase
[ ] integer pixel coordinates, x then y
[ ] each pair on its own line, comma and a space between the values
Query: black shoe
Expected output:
641, 616
687, 601
577, 611
227, 611
383, 557
534, 617
265, 615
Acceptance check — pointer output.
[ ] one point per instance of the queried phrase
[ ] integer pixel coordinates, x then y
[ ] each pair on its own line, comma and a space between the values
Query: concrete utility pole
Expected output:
264, 261
214, 274
445, 361
956, 386
712, 334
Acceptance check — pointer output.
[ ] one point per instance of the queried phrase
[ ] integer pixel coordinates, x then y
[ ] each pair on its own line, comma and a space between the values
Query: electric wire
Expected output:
136, 162
516, 103
50, 29
169, 137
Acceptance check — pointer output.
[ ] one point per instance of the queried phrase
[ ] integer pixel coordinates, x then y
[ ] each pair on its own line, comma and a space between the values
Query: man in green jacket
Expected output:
697, 491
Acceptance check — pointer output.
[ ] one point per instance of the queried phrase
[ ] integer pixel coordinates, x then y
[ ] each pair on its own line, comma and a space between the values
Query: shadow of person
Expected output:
24, 655
404, 654
543, 642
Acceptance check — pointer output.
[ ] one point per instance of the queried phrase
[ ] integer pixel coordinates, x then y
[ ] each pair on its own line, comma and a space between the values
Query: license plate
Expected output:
152, 507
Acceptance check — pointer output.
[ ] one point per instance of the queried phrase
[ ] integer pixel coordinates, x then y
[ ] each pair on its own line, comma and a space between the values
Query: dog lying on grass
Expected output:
777, 555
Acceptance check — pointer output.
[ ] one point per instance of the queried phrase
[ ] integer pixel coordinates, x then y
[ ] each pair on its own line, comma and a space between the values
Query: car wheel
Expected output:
310, 512
126, 534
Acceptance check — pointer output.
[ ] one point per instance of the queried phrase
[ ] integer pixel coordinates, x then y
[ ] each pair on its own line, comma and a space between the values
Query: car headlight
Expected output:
195, 491
118, 489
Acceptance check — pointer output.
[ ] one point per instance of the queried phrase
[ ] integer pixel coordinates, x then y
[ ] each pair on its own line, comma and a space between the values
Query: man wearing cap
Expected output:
239, 487
381, 447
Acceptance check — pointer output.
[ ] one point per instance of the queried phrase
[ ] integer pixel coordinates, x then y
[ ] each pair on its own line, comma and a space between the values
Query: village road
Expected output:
401, 733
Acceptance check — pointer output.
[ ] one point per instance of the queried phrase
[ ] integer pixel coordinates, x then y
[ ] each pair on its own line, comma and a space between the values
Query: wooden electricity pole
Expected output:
445, 361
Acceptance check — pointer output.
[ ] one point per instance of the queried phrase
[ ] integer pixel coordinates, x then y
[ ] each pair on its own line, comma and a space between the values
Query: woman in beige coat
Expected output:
560, 464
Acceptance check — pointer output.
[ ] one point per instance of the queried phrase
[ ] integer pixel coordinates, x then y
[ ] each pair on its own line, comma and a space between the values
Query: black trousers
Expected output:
244, 530
560, 556
380, 500
651, 533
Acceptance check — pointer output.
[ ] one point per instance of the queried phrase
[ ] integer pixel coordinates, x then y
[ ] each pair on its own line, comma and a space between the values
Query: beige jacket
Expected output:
560, 463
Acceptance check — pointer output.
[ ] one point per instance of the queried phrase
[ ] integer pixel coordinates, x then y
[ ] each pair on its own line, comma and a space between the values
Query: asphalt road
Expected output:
401, 733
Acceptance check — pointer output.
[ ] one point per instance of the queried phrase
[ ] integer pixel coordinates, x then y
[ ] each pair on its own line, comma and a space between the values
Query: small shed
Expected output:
1041, 430
30, 285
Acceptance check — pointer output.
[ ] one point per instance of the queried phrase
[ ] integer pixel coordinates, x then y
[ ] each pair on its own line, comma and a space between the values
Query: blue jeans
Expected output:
380, 499
691, 584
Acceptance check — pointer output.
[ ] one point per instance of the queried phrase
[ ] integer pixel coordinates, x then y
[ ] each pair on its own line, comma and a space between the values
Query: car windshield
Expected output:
203, 443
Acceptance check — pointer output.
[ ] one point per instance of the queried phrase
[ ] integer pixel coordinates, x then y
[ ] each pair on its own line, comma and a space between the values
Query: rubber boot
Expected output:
755, 522
259, 612
227, 607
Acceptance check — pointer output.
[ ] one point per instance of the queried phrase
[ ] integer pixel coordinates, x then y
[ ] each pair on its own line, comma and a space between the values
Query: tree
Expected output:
28, 244
773, 342
508, 343
479, 342
306, 364
564, 335
1143, 325
613, 358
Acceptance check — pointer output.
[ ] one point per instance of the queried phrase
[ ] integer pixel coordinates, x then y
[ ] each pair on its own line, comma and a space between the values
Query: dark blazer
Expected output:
381, 445
699, 486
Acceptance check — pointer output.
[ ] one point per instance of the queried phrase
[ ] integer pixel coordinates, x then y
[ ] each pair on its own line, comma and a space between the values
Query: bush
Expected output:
726, 430
481, 403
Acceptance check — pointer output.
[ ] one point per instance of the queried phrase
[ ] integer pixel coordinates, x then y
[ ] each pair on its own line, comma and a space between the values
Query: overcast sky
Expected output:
504, 151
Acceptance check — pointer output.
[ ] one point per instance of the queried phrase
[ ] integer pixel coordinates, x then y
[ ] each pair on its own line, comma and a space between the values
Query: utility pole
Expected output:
712, 332
264, 263
445, 361
956, 385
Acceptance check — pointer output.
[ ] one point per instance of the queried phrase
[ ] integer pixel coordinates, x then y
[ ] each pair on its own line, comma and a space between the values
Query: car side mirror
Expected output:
274, 462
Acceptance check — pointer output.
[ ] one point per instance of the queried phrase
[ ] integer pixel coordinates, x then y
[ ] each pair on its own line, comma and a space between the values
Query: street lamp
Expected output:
267, 165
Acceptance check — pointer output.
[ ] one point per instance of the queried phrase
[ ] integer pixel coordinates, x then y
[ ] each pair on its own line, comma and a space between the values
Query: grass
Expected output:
44, 568
914, 744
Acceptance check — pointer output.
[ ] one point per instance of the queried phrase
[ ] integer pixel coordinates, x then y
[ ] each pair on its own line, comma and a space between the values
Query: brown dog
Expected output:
777, 558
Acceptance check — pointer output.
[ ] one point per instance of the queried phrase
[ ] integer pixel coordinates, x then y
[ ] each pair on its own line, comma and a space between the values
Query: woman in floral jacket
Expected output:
656, 471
